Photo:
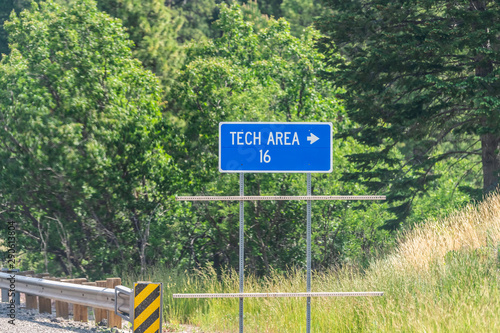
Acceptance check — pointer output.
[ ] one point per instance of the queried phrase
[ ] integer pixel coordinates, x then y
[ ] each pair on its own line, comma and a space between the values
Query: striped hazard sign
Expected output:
147, 307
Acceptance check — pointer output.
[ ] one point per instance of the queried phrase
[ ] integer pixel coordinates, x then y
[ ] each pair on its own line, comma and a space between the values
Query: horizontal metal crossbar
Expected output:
246, 295
272, 197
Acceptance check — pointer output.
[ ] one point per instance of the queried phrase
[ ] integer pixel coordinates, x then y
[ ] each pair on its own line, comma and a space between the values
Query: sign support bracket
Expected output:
308, 310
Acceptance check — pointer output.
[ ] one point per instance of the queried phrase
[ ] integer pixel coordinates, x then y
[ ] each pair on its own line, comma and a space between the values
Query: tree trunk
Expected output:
142, 247
489, 142
490, 161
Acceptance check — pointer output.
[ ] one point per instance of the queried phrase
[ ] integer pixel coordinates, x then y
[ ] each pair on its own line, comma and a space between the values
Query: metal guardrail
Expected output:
120, 301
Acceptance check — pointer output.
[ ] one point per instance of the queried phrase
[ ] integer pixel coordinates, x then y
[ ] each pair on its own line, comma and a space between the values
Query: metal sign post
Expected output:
242, 245
275, 147
308, 263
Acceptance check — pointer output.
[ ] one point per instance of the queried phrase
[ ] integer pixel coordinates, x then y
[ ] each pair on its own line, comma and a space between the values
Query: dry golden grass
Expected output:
473, 227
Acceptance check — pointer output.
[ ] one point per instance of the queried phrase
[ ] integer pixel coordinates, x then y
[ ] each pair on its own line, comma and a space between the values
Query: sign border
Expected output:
277, 123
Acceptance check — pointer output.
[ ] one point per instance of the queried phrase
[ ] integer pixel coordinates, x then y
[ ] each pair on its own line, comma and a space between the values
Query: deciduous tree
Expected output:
6, 8
82, 167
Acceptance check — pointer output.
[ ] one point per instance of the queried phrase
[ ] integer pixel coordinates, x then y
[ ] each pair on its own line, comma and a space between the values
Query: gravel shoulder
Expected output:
30, 321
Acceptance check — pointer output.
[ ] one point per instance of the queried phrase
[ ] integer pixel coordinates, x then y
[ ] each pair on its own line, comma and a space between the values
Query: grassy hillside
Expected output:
443, 277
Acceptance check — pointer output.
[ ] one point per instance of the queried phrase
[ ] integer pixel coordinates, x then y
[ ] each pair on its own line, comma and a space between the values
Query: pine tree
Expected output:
422, 80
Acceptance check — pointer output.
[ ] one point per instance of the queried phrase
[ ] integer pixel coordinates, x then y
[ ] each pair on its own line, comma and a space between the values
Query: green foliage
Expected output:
198, 16
154, 29
422, 84
271, 8
301, 13
252, 13
251, 74
267, 75
91, 156
82, 167
6, 8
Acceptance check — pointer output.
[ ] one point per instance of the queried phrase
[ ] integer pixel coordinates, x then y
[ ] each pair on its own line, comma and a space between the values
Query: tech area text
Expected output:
275, 147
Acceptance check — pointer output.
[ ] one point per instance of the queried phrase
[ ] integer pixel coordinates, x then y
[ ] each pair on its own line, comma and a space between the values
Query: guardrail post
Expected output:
44, 304
68, 304
94, 285
113, 319
80, 311
5, 292
31, 301
101, 314
62, 308
5, 295
27, 273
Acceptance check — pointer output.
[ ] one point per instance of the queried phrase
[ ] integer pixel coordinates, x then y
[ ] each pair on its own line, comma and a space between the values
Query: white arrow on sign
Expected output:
313, 138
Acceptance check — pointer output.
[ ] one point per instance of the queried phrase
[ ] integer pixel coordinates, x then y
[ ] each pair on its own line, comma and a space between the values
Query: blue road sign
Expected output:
275, 147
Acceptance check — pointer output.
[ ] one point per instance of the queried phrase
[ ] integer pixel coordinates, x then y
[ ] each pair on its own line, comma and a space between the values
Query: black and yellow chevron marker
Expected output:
147, 307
